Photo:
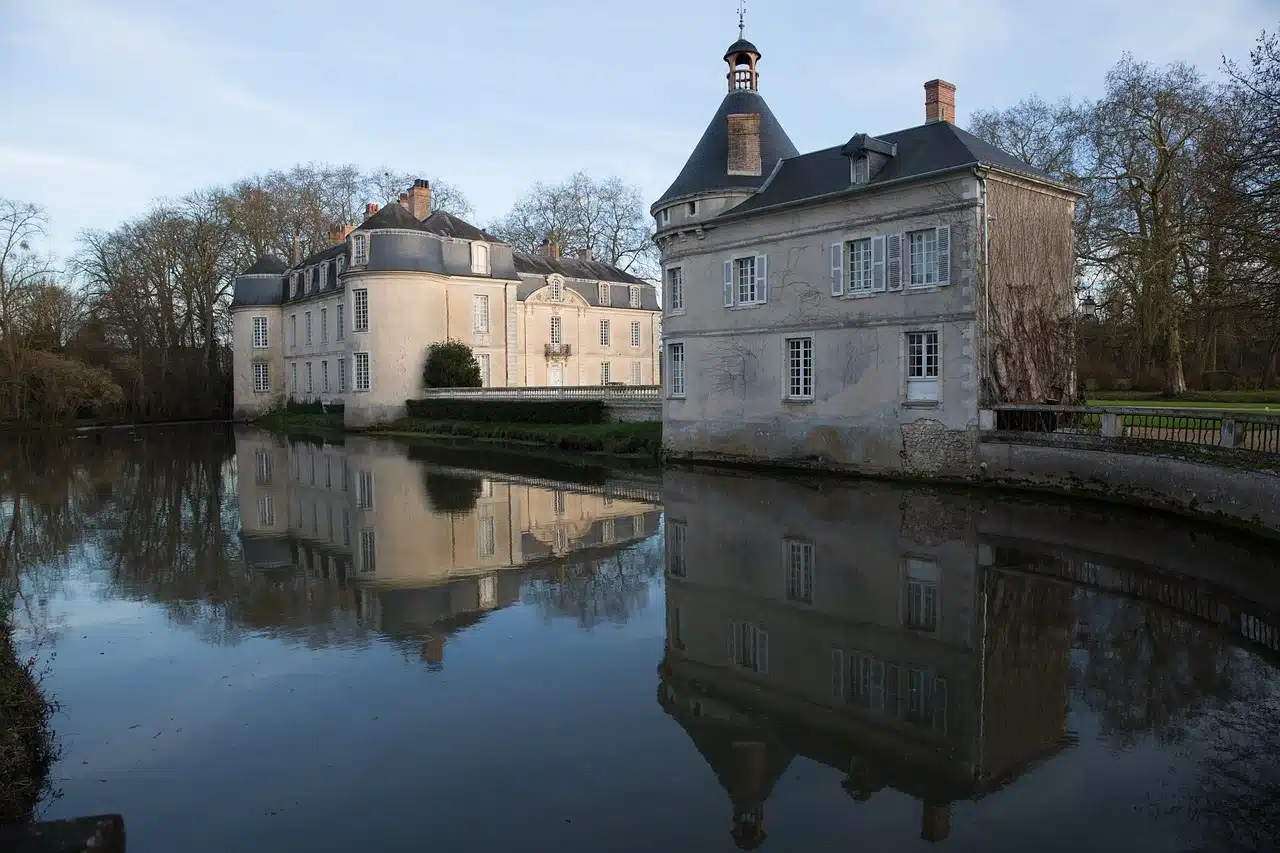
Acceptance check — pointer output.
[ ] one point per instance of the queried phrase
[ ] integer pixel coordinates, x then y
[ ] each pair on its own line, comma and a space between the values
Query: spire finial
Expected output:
742, 18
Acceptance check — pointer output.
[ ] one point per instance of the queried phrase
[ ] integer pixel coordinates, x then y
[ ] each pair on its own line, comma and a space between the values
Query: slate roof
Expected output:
392, 215
708, 166
448, 225
266, 265
334, 250
933, 147
528, 263
741, 46
619, 295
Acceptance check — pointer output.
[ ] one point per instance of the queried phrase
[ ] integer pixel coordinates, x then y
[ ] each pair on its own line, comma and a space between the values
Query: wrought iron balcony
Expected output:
557, 350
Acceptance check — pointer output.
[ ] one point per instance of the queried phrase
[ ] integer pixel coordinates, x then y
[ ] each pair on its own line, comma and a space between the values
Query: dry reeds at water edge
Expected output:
27, 747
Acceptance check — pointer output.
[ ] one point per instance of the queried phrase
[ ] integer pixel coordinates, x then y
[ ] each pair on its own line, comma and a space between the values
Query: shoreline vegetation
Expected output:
27, 746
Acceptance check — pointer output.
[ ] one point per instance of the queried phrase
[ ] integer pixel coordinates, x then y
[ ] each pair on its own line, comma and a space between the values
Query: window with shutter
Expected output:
837, 269
893, 261
728, 284
944, 254
860, 266
877, 265
762, 279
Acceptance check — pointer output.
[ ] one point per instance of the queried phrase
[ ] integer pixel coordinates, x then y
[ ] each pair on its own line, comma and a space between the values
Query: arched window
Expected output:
604, 295
635, 296
359, 250
480, 258
557, 289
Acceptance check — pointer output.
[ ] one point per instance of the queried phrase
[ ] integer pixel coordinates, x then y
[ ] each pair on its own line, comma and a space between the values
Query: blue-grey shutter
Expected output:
762, 278
944, 254
733, 643
728, 284
877, 264
893, 261
837, 269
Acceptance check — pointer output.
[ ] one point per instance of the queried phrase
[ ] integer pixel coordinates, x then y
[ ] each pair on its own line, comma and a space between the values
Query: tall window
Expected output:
324, 376
675, 355
861, 169
635, 334
361, 323
308, 328
922, 365
324, 275
263, 473
480, 258
293, 330
799, 368
749, 647
675, 289
487, 535
361, 363
480, 314
368, 551
607, 531
633, 296
324, 325
342, 375
677, 548
338, 322
485, 362
266, 511
557, 502
926, 703
604, 333
799, 571
921, 610
860, 266
364, 490
635, 373
310, 387
261, 377
293, 286
259, 332
604, 373
605, 296
923, 257
360, 249
557, 330
293, 377
557, 289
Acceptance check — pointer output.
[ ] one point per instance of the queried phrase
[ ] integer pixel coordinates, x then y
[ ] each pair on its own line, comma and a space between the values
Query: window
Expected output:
324, 325
559, 540
293, 286
860, 266
324, 276
606, 298
557, 331
346, 529
635, 373
324, 376
557, 289
339, 310
308, 328
926, 700
665, 216
361, 365
749, 647
799, 368
488, 591
360, 249
861, 169
676, 632
799, 571
604, 373
310, 387
368, 551
557, 502
607, 531
675, 355
261, 377
293, 330
480, 258
259, 332
867, 681
605, 338
485, 362
921, 610
293, 377
342, 375
675, 289
328, 483
361, 314
364, 490
480, 314
337, 270
308, 279
677, 548
746, 281
633, 296
929, 257
263, 475
922, 365
692, 209
487, 534
745, 275
635, 334
266, 511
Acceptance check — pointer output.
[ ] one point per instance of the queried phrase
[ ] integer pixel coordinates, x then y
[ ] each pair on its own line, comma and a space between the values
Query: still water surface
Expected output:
263, 646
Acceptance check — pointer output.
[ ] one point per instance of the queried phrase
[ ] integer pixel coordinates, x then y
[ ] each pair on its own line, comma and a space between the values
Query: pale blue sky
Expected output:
108, 104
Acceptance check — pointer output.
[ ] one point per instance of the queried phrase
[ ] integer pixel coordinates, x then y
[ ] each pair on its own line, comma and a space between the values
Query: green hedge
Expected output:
509, 411
315, 407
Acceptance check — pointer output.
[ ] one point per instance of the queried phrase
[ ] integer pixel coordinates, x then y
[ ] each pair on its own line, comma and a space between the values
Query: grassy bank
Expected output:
301, 423
1215, 398
26, 737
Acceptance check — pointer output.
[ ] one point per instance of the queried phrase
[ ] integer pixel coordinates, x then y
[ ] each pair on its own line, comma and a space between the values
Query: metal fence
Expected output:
1259, 433
608, 393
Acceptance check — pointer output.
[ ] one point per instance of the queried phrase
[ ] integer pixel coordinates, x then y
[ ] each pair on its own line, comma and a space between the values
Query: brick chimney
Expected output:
420, 199
744, 144
549, 250
404, 200
339, 233
585, 254
939, 101
370, 209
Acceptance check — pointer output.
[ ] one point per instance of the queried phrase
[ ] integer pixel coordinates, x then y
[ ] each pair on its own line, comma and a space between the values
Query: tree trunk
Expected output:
1175, 380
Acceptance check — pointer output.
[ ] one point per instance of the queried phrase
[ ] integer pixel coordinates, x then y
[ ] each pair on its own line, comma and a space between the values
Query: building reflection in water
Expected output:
865, 629
417, 551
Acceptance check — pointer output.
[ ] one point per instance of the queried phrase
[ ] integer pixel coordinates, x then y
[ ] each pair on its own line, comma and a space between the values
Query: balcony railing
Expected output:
557, 350
607, 393
1200, 427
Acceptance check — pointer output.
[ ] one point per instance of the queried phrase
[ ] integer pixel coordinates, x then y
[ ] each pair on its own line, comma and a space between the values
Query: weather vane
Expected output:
742, 15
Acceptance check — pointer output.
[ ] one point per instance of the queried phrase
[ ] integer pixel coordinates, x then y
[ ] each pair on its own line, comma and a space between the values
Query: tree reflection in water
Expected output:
596, 591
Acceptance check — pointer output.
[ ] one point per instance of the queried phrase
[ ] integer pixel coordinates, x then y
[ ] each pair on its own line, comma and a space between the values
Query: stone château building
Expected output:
854, 306
351, 323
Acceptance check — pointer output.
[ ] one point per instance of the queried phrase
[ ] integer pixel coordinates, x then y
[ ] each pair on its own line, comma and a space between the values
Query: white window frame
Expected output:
324, 275
923, 352
310, 378
293, 286
368, 551
337, 270
606, 334
921, 600
293, 330
605, 295
798, 565
480, 259
557, 330
293, 377
557, 288
339, 320
324, 376
746, 281
676, 369
692, 209
356, 360
664, 216
263, 474
260, 334
364, 489
486, 365
749, 647
635, 334
342, 376
486, 543
266, 511
359, 250
606, 373
677, 537
360, 310
927, 257
633, 296
797, 376
636, 373
480, 313
861, 279
860, 169
307, 326
324, 325
261, 377
675, 290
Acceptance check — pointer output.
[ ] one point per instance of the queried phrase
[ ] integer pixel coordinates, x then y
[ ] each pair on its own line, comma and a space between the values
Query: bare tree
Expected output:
22, 270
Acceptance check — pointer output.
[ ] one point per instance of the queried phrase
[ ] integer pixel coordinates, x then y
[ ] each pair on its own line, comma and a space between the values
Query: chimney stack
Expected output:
744, 144
939, 101
549, 249
339, 233
420, 199
404, 200
296, 257
370, 209
585, 254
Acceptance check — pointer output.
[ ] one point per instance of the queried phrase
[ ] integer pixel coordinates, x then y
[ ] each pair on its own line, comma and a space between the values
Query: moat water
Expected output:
265, 646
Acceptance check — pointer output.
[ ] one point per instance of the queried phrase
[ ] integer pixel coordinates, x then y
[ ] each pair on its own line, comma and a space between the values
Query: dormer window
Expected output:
604, 295
557, 289
293, 286
324, 276
664, 216
480, 258
861, 169
692, 208
634, 296
342, 265
360, 249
